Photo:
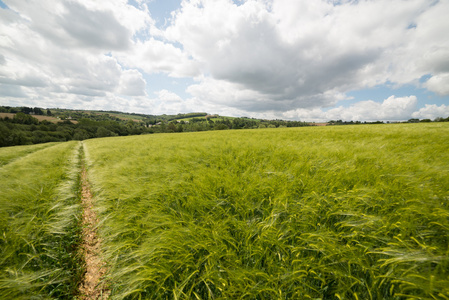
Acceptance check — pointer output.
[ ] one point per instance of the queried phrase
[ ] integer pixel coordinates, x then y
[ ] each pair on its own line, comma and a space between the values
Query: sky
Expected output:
320, 60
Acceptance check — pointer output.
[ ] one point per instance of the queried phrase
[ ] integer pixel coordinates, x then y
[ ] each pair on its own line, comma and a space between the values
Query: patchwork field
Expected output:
342, 212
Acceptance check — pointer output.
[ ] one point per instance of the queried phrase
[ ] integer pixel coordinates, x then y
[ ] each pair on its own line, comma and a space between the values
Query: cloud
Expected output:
391, 109
262, 58
97, 76
134, 17
132, 83
168, 97
61, 50
438, 84
292, 53
97, 29
153, 56
432, 111
85, 24
8, 90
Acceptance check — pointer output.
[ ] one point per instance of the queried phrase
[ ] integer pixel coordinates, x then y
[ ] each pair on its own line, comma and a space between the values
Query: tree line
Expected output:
340, 122
24, 128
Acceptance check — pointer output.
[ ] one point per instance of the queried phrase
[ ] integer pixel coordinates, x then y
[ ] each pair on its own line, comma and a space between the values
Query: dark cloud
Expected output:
8, 90
97, 29
87, 92
26, 80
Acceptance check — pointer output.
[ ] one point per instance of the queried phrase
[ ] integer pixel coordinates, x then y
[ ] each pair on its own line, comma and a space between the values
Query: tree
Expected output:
80, 134
103, 132
5, 134
26, 110
179, 128
171, 127
221, 126
38, 111
23, 118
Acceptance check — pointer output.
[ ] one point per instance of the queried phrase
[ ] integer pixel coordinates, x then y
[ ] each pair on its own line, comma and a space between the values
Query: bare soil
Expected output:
91, 287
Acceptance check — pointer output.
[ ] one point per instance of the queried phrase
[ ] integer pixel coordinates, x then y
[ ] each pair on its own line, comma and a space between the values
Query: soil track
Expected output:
91, 287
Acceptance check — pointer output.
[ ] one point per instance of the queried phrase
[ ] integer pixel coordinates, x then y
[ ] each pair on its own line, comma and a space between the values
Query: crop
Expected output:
347, 213
9, 154
39, 227
350, 212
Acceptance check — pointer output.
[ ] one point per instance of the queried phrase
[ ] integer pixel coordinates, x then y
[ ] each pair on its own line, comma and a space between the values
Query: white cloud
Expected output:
133, 18
70, 24
438, 84
154, 56
167, 102
432, 111
273, 58
168, 97
61, 50
391, 109
301, 54
132, 83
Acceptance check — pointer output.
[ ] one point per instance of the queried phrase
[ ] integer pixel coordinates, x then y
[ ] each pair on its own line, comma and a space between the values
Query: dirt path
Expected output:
90, 287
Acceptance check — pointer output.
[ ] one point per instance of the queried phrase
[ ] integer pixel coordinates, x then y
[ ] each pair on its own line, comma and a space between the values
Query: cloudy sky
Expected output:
289, 59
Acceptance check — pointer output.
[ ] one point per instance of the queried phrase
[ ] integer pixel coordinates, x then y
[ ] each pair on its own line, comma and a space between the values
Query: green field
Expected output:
9, 154
340, 212
39, 227
356, 212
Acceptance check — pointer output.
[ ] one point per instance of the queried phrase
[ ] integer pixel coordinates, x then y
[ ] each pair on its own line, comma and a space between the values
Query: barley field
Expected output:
345, 212
39, 228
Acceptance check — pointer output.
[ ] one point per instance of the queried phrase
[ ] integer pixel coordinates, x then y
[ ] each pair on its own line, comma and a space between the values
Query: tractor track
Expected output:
91, 286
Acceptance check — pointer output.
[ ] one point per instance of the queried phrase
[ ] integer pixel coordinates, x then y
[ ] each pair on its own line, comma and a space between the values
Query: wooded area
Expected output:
23, 128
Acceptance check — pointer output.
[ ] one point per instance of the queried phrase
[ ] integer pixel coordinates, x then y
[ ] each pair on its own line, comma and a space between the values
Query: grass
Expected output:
349, 212
9, 154
39, 226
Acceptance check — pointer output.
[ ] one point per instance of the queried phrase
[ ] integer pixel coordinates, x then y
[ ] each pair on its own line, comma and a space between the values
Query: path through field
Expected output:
90, 287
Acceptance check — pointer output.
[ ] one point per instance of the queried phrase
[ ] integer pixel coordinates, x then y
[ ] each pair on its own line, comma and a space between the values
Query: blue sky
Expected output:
161, 10
287, 59
381, 92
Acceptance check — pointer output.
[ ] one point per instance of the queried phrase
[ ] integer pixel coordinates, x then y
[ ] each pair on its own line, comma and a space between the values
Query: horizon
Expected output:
218, 116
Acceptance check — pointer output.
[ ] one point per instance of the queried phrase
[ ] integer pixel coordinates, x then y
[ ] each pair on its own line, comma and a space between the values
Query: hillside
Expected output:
24, 126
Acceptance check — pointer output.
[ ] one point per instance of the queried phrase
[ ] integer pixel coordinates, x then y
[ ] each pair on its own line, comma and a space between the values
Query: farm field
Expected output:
344, 212
9, 154
39, 117
39, 221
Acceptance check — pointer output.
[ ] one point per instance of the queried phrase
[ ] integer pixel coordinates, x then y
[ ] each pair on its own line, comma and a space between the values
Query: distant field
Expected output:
204, 118
344, 212
134, 118
39, 117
